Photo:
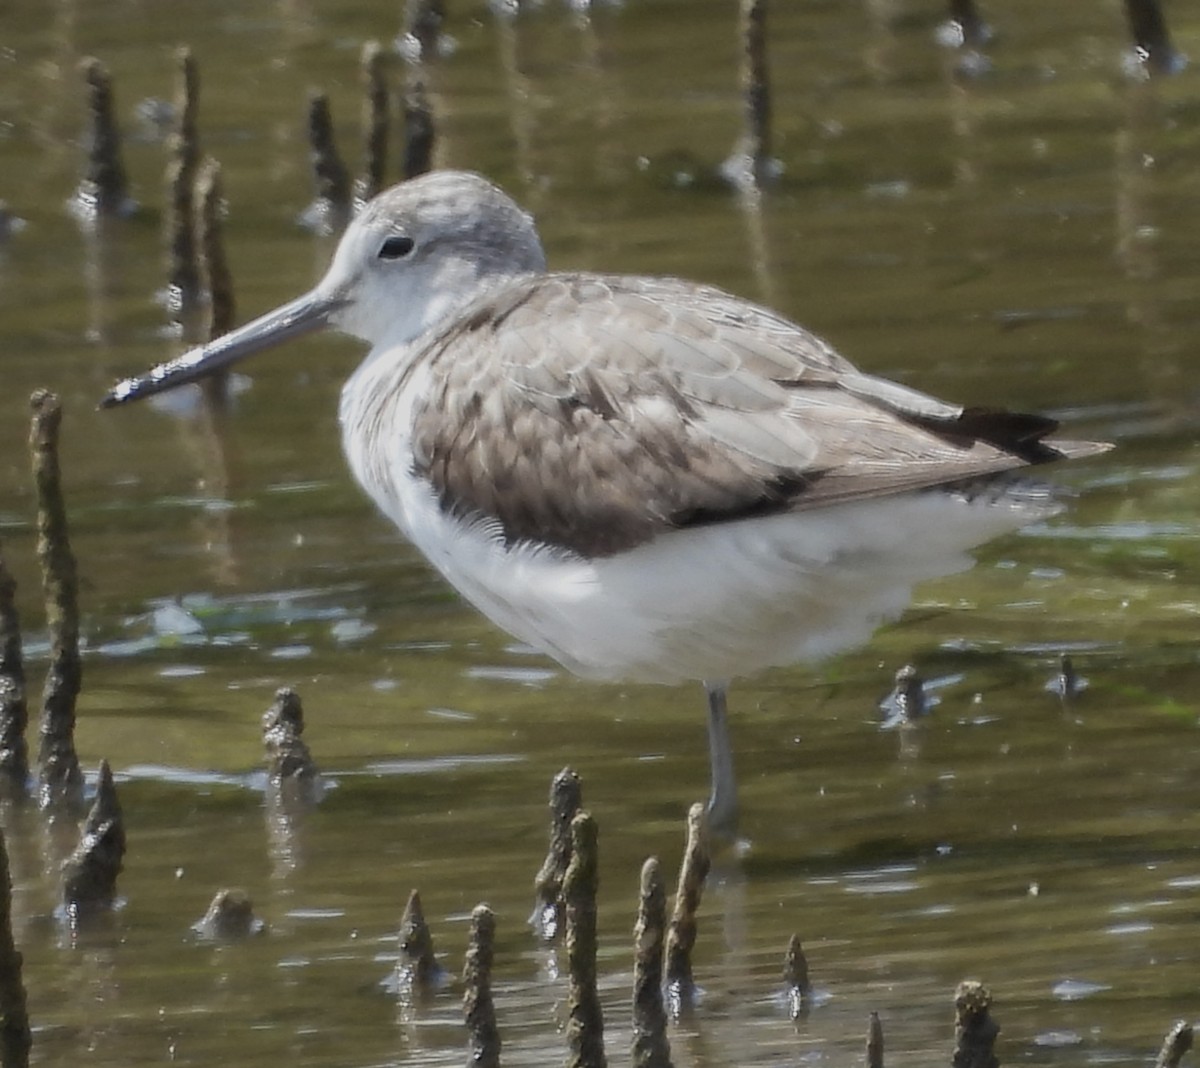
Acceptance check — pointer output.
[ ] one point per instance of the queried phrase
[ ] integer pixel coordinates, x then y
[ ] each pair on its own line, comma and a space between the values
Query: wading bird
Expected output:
644, 478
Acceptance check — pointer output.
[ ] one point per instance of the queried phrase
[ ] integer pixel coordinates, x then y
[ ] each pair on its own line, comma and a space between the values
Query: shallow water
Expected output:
1025, 238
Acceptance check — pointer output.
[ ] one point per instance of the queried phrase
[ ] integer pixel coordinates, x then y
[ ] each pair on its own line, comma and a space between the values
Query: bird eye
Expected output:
396, 247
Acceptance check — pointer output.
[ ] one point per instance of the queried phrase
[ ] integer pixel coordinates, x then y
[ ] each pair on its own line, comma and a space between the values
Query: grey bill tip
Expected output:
156, 380
126, 390
300, 316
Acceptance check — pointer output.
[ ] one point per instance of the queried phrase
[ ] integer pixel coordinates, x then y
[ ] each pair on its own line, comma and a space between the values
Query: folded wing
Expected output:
596, 413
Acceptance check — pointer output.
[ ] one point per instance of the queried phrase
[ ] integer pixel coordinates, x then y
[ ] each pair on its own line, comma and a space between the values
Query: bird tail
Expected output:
1075, 450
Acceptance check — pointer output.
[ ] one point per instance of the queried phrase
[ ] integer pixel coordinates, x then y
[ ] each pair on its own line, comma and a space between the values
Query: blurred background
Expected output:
1014, 227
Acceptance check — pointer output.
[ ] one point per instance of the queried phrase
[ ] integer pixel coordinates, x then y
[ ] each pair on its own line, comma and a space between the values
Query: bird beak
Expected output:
298, 317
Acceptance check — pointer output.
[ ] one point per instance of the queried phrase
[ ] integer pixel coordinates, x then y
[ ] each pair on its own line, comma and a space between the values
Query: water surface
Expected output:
1024, 238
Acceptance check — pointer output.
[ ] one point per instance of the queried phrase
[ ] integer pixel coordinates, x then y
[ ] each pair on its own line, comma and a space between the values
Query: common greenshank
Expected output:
646, 479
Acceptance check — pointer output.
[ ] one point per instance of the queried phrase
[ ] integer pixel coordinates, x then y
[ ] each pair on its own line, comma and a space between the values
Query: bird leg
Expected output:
722, 802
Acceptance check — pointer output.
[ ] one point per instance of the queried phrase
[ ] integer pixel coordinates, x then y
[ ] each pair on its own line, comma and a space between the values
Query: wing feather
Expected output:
595, 413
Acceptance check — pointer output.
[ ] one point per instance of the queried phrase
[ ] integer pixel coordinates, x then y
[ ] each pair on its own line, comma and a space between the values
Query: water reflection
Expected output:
1138, 238
204, 432
520, 98
882, 43
225, 556
102, 259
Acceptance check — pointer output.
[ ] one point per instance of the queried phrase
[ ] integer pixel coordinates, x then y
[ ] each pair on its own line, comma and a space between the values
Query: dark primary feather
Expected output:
595, 413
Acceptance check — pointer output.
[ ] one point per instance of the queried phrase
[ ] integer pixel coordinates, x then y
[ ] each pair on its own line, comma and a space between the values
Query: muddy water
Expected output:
1024, 238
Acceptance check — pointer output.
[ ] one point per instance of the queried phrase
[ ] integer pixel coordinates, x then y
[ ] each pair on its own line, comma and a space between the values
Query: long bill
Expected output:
298, 317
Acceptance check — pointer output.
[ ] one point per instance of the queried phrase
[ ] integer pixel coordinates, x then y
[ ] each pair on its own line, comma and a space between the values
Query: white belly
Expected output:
711, 602
715, 602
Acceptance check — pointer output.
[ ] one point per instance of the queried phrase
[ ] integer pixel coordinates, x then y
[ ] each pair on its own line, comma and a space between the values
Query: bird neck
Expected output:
401, 338
397, 326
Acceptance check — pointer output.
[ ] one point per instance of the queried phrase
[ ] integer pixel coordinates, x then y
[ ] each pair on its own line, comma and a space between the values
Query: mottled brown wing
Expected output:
595, 413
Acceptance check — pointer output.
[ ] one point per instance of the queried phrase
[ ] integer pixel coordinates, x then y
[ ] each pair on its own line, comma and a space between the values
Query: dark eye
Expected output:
396, 247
